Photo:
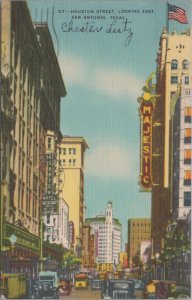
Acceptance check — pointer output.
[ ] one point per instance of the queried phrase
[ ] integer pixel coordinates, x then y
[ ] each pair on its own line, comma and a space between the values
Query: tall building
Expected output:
173, 60
182, 150
71, 157
57, 225
55, 212
107, 232
139, 230
27, 76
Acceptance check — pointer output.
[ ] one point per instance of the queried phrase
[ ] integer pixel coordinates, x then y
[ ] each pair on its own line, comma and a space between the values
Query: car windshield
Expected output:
121, 285
181, 288
139, 284
80, 279
45, 278
46, 282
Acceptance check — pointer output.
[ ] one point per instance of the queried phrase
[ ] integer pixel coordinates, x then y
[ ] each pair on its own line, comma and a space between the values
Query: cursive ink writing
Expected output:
115, 27
88, 27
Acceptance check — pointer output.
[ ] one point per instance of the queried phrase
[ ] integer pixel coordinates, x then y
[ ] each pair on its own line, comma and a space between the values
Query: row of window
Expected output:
141, 224
70, 151
174, 80
174, 64
71, 162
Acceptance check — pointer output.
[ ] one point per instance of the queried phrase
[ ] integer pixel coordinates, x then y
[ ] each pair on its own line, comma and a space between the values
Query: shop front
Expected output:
21, 251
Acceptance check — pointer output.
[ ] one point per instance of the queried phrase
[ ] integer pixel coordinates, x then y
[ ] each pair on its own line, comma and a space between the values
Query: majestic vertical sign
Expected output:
146, 113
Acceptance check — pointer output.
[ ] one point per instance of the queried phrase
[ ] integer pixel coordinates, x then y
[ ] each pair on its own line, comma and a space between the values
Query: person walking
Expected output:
150, 290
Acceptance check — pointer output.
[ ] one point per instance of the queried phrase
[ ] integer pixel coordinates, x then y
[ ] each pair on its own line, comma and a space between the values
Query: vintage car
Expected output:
180, 291
81, 281
48, 285
172, 290
140, 287
32, 288
13, 286
96, 284
64, 287
118, 289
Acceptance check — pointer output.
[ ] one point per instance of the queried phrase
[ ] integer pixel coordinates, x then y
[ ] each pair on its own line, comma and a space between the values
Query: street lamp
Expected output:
156, 264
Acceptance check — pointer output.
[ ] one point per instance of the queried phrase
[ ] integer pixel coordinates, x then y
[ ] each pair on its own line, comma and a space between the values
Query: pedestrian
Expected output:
150, 290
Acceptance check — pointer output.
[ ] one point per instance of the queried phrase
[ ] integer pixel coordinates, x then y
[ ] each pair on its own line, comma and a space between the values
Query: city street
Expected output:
95, 149
82, 294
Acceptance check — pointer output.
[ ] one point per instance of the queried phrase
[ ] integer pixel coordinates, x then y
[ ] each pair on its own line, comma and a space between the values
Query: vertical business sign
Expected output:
146, 114
50, 199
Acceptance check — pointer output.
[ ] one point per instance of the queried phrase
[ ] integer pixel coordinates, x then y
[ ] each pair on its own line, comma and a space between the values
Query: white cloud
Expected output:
110, 161
118, 84
73, 69
114, 83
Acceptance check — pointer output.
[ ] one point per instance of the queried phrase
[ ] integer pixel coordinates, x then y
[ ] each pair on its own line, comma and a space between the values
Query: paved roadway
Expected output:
82, 294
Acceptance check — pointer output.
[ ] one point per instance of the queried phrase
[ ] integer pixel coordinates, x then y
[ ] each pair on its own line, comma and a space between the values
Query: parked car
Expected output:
64, 287
96, 284
81, 281
48, 285
179, 291
172, 290
32, 288
140, 286
118, 289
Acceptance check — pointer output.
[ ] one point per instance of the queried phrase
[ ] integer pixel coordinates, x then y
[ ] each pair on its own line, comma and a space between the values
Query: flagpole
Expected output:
167, 25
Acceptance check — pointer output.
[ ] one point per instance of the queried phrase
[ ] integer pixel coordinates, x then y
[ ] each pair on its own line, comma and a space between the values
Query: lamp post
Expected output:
13, 240
156, 264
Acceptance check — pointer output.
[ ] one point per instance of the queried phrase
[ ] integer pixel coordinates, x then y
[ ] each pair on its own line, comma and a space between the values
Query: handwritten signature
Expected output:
114, 27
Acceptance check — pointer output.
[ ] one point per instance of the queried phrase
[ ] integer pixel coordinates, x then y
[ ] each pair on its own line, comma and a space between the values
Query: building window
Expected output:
187, 156
74, 151
186, 80
64, 162
49, 143
187, 177
70, 151
64, 151
185, 64
188, 114
187, 198
187, 138
48, 218
174, 64
48, 238
174, 79
74, 162
69, 162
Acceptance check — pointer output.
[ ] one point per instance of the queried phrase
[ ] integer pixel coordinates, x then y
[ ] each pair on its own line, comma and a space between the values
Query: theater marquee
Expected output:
146, 113
146, 109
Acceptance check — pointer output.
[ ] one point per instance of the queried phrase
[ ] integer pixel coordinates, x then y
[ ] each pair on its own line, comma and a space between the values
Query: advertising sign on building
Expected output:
50, 199
146, 111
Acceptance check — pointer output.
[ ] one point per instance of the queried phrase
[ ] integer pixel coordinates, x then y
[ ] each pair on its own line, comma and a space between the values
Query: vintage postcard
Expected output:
95, 149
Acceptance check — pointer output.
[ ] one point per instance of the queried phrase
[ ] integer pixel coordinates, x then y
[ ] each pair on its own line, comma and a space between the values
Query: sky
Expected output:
104, 73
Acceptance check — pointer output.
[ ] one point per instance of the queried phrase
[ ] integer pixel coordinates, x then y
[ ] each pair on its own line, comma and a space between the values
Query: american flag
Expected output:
177, 13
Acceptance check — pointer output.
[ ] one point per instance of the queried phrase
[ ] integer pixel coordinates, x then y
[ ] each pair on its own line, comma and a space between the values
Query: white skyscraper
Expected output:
107, 231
